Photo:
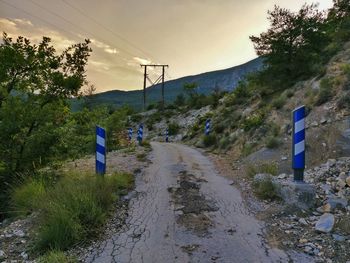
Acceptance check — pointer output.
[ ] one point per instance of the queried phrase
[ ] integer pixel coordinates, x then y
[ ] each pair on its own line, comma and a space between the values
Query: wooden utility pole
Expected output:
145, 77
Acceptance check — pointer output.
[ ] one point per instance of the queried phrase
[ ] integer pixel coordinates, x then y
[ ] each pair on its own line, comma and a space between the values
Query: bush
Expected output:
253, 121
266, 168
209, 140
73, 208
279, 102
265, 189
272, 142
141, 157
344, 101
326, 91
27, 197
55, 256
174, 128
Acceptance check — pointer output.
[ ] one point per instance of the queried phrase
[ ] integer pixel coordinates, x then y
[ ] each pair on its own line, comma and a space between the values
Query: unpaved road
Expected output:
183, 211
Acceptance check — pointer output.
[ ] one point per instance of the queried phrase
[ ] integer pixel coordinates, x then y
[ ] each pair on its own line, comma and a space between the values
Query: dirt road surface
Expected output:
183, 211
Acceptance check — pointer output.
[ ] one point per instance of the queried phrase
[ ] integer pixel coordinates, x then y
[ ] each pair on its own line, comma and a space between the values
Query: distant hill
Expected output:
226, 79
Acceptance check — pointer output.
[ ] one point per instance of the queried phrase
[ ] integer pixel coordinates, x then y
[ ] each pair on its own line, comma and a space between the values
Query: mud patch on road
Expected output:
191, 206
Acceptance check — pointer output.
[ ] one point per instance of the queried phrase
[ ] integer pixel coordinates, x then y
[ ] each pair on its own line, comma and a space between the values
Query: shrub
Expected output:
344, 101
272, 142
174, 128
141, 157
146, 144
267, 168
253, 121
27, 197
279, 102
74, 207
326, 91
219, 128
248, 148
55, 256
265, 189
209, 140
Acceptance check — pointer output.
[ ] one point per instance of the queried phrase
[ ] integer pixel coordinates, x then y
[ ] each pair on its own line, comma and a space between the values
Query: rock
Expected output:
297, 194
262, 177
314, 124
347, 180
303, 241
2, 254
331, 163
325, 223
282, 176
324, 144
284, 158
323, 121
337, 203
19, 233
302, 221
338, 238
325, 208
24, 255
341, 183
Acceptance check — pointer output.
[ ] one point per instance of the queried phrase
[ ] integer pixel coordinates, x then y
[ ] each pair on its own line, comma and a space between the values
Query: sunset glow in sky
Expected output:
192, 36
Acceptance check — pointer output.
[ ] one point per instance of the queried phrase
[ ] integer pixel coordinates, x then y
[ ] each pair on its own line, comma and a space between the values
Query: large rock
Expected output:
298, 194
325, 223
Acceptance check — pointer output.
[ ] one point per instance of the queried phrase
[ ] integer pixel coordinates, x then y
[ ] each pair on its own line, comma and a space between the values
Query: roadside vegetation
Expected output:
72, 209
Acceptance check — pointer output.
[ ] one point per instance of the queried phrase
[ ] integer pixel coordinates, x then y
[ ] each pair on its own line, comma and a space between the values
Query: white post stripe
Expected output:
299, 126
100, 141
299, 147
100, 157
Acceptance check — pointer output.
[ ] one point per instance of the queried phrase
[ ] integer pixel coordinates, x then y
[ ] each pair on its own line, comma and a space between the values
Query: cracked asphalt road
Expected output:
152, 232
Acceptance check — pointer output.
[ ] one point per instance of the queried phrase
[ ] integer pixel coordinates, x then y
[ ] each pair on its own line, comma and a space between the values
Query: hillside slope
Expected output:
225, 79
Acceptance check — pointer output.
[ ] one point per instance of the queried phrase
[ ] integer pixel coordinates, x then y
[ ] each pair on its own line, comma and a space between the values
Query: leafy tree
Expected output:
292, 45
338, 21
34, 85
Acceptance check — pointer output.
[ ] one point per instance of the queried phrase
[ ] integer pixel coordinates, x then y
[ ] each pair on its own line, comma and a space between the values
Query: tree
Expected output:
35, 83
292, 45
191, 89
338, 21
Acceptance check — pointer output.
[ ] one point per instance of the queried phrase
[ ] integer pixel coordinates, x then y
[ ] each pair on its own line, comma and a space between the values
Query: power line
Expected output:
75, 25
55, 26
37, 17
107, 29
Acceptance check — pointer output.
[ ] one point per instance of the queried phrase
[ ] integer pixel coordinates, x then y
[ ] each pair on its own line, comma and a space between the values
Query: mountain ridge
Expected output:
224, 79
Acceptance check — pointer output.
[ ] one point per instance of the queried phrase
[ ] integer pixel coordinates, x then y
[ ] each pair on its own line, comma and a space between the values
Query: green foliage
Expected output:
292, 46
253, 121
326, 91
279, 102
27, 197
141, 157
344, 101
267, 168
180, 100
56, 256
174, 128
209, 140
272, 142
72, 209
265, 189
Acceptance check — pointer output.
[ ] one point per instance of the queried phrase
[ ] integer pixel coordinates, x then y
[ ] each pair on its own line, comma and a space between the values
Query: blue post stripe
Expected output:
100, 150
298, 148
207, 127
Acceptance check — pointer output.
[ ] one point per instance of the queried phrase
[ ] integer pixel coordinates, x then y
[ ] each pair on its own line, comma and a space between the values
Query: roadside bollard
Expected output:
167, 135
100, 150
299, 143
207, 127
130, 132
140, 133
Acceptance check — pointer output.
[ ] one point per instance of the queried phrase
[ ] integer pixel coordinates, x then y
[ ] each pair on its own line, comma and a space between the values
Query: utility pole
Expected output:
160, 78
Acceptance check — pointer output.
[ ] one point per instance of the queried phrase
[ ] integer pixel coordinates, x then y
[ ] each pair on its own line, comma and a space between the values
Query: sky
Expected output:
191, 36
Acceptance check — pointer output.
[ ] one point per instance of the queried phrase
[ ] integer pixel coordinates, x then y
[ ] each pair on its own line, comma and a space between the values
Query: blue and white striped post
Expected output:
167, 135
100, 150
130, 132
140, 133
207, 127
299, 143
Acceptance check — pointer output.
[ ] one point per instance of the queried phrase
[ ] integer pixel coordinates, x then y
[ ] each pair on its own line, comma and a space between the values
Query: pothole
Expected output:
191, 206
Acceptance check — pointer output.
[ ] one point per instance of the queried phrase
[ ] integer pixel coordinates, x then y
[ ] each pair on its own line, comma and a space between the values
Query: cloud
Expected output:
107, 48
142, 60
